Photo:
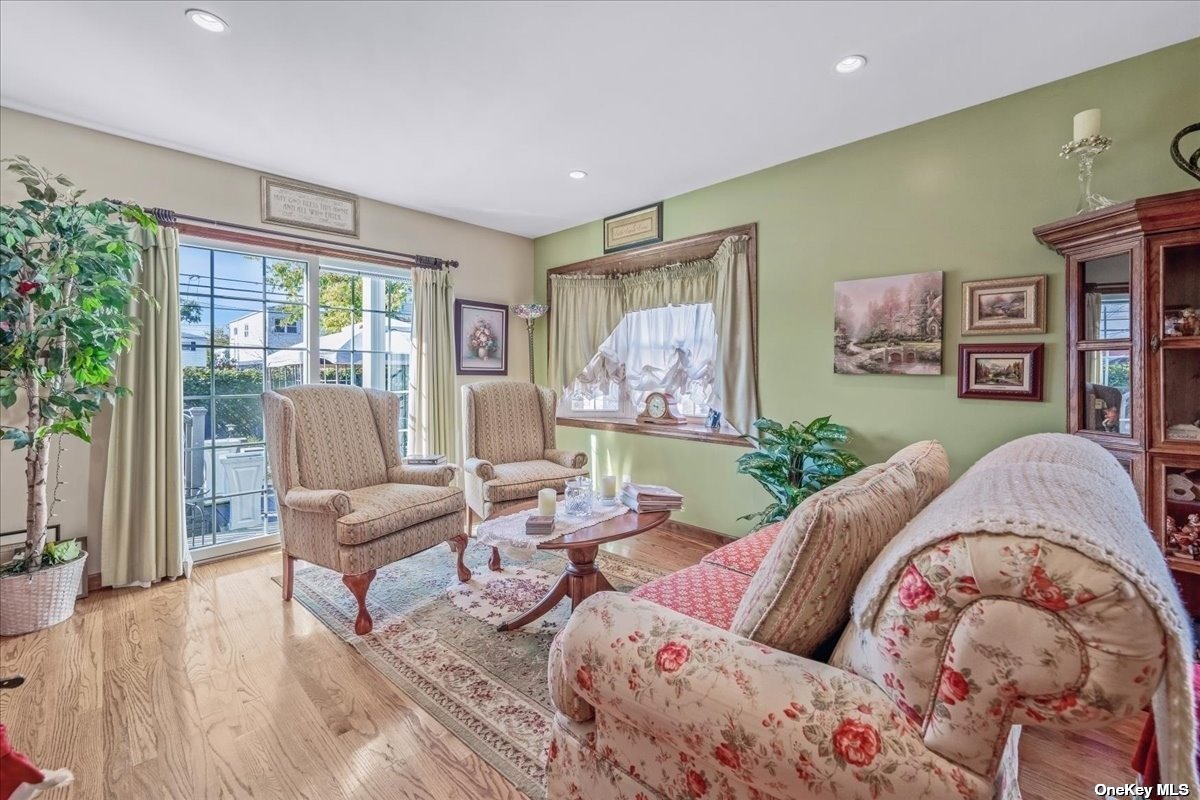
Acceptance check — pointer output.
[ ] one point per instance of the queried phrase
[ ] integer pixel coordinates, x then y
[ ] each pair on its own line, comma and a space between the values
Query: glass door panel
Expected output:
1181, 394
1181, 489
1181, 291
1105, 307
1175, 343
242, 331
1107, 397
366, 333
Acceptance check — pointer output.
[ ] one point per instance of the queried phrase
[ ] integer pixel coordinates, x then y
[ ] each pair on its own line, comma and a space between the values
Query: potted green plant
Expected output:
794, 462
67, 278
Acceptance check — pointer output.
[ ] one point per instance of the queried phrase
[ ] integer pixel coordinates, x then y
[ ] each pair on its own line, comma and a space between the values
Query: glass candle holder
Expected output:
579, 497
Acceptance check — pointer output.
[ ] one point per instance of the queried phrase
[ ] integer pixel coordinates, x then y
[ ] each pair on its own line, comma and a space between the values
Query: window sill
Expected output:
694, 431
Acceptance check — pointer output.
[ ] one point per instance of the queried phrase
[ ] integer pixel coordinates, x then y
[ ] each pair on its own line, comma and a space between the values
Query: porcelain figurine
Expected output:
1189, 322
1172, 536
1192, 527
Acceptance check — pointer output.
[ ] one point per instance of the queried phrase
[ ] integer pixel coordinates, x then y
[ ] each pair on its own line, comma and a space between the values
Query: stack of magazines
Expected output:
539, 526
646, 497
420, 460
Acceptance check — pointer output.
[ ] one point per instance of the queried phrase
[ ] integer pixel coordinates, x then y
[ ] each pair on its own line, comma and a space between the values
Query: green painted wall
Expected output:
959, 193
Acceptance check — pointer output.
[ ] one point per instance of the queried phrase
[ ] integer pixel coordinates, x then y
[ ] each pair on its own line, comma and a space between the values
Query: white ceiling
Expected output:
477, 111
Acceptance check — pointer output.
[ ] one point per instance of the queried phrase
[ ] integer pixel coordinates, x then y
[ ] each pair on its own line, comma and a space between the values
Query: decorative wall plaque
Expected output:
303, 205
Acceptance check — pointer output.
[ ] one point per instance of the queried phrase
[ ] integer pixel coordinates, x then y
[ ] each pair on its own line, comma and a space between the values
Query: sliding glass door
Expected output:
366, 332
249, 321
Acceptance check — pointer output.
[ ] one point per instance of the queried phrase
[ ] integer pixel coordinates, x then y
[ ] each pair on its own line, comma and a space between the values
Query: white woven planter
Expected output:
34, 600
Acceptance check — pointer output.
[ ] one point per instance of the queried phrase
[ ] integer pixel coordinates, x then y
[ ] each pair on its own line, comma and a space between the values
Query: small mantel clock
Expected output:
660, 409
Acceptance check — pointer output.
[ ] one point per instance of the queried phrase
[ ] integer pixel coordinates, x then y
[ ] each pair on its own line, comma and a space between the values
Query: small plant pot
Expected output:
31, 601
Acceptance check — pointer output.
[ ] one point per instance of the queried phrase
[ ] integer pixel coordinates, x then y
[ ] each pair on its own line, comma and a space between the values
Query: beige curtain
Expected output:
733, 305
677, 284
432, 394
142, 522
584, 310
1091, 314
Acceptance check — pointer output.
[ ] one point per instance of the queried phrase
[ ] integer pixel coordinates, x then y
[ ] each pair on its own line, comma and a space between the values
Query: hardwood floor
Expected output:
214, 688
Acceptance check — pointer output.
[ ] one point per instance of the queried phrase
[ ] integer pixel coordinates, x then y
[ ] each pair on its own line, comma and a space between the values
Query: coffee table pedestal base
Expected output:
579, 581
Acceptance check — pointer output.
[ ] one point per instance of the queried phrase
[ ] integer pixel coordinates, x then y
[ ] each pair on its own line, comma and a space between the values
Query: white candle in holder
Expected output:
546, 502
608, 486
1087, 123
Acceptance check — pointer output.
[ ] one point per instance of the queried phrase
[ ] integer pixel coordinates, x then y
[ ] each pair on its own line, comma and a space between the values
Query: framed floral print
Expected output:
481, 337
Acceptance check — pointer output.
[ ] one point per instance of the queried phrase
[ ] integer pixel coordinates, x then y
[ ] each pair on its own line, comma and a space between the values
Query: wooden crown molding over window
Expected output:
655, 256
690, 248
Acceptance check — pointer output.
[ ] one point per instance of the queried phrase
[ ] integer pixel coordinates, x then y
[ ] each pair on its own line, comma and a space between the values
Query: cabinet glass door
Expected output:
1179, 343
1105, 341
1177, 496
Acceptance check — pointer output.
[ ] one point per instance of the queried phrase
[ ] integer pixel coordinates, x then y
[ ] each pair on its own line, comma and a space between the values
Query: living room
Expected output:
599, 400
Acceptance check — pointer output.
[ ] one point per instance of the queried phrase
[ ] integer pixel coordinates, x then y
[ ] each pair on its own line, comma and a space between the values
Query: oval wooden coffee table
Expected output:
582, 578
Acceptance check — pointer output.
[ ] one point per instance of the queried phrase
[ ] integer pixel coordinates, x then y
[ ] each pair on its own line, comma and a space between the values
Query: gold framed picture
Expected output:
633, 228
1004, 305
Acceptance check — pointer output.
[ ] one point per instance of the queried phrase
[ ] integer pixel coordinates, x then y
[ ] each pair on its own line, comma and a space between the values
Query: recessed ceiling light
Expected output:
577, 174
207, 20
850, 64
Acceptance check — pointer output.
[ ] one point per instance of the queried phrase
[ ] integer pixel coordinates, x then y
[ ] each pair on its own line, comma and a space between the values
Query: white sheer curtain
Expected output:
672, 348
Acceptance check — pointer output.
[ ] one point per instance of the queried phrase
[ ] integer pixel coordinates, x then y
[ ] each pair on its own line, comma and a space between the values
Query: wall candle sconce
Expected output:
530, 312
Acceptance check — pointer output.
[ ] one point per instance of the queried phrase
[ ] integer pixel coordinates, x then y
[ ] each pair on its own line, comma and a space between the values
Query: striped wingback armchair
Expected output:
508, 433
346, 502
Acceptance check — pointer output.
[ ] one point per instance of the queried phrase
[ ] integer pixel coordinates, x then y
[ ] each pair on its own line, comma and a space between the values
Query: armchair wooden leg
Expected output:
358, 584
289, 572
459, 545
494, 561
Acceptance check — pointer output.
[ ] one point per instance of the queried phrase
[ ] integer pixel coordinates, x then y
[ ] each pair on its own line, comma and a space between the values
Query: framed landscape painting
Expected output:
888, 326
1004, 305
1000, 371
481, 337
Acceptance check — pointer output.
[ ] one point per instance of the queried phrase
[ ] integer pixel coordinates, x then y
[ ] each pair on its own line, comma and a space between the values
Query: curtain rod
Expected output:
171, 219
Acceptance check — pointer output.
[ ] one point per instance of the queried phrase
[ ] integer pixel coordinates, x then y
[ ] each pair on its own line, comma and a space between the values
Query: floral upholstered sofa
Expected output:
998, 604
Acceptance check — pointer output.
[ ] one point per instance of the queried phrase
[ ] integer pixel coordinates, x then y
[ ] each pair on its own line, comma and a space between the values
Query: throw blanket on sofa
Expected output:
1084, 500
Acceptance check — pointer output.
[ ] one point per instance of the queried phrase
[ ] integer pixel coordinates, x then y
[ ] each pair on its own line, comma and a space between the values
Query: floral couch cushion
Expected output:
800, 595
705, 592
746, 554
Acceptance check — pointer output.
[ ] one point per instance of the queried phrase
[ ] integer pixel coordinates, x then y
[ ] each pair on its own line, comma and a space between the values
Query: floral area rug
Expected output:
436, 640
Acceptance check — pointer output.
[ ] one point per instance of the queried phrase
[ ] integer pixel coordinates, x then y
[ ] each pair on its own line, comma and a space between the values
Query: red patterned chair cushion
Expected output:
745, 554
705, 592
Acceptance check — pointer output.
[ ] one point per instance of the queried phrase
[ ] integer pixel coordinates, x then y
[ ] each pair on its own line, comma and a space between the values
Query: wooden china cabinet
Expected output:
1133, 355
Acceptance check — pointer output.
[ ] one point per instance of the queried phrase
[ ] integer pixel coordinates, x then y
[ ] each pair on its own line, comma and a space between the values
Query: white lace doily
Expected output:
507, 532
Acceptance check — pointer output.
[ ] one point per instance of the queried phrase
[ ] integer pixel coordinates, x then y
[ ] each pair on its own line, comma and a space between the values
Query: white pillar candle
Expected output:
546, 502
1087, 123
608, 485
